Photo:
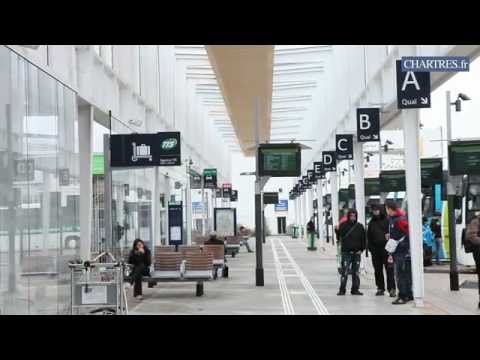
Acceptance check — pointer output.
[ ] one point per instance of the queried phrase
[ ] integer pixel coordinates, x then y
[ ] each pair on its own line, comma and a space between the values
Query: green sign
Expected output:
343, 195
372, 186
392, 181
279, 160
464, 158
98, 165
210, 178
432, 171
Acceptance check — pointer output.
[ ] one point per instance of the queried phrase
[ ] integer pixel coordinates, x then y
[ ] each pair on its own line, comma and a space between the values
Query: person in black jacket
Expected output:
352, 241
141, 259
376, 237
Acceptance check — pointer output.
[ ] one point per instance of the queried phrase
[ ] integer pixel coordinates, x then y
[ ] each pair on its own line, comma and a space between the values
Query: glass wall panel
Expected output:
39, 188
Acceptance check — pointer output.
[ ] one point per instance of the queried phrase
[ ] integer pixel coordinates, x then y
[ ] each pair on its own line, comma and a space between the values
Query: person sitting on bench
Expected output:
214, 240
141, 259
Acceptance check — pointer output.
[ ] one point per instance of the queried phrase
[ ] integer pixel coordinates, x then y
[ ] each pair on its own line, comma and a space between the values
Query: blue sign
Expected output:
435, 63
282, 205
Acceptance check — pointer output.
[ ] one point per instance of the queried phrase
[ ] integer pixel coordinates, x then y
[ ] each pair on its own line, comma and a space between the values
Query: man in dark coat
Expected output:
352, 243
377, 229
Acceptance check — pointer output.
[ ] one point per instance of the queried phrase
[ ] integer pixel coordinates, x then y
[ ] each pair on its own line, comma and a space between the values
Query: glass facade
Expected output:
39, 188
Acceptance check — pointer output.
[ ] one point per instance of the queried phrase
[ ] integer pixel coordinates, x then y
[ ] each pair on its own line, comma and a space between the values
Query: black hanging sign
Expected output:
329, 160
368, 124
413, 89
234, 196
344, 147
210, 178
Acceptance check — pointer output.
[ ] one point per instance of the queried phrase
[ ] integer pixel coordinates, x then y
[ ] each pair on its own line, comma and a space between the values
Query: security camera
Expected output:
464, 97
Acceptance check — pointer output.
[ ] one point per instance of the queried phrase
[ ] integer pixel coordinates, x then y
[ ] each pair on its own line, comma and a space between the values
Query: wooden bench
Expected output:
200, 240
175, 267
233, 245
187, 249
164, 248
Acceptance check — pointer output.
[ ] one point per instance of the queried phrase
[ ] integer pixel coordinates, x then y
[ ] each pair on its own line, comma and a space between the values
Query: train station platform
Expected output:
298, 282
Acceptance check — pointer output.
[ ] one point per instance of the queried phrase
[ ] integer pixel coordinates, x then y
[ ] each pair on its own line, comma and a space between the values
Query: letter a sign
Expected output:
368, 124
413, 89
344, 147
329, 160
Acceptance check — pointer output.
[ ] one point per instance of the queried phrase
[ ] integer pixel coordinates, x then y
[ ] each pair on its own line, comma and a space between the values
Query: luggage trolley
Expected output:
98, 286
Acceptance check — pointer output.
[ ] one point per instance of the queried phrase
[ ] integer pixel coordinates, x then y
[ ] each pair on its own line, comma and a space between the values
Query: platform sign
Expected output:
227, 190
225, 221
344, 146
218, 193
372, 186
195, 180
234, 196
279, 160
464, 158
318, 170
175, 223
141, 150
306, 182
327, 200
329, 160
210, 178
392, 181
431, 171
270, 198
281, 206
311, 177
413, 89
368, 124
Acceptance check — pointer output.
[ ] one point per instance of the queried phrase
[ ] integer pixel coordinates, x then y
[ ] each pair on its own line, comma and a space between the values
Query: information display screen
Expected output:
392, 181
270, 198
343, 195
372, 186
279, 160
432, 171
464, 158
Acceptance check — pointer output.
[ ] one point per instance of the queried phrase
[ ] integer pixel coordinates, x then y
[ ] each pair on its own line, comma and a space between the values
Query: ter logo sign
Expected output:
329, 161
413, 88
368, 124
344, 147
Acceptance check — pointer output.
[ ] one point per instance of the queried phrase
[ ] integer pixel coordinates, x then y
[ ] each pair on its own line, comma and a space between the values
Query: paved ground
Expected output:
296, 282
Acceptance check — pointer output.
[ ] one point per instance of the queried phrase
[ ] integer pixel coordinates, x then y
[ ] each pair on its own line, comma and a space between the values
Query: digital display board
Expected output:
279, 160
343, 195
392, 181
372, 186
431, 171
464, 158
270, 198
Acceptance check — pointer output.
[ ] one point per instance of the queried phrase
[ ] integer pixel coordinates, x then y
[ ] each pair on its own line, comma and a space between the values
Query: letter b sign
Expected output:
368, 124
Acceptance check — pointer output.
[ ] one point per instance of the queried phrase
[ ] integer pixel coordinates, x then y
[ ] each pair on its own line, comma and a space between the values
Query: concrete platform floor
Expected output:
297, 282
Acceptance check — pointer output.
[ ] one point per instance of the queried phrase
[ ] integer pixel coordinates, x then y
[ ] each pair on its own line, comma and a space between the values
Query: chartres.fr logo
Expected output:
169, 144
141, 152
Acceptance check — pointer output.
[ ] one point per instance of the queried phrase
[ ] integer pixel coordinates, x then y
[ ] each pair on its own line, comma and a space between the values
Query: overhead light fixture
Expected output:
458, 102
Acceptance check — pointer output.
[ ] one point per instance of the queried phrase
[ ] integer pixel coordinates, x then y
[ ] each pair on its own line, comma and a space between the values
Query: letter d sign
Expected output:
329, 161
368, 124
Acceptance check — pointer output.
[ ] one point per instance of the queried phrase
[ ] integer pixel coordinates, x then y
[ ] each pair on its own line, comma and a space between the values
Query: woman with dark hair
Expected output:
141, 259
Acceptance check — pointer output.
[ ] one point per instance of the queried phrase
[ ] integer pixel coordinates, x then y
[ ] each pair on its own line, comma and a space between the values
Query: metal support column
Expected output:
107, 194
410, 120
259, 274
188, 204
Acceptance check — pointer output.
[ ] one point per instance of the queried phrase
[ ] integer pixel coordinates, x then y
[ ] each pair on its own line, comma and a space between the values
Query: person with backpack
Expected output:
376, 239
398, 245
427, 243
311, 233
352, 243
472, 244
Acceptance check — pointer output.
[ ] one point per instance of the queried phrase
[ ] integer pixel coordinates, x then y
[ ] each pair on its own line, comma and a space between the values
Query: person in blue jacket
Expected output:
427, 243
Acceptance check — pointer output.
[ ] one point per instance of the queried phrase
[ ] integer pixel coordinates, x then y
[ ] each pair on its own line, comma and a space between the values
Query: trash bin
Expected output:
311, 241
